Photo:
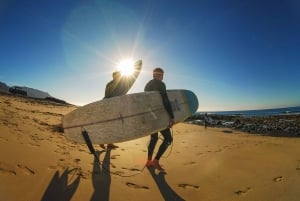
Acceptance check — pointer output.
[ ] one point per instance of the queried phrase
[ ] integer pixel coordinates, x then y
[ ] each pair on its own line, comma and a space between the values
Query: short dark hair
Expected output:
158, 70
116, 73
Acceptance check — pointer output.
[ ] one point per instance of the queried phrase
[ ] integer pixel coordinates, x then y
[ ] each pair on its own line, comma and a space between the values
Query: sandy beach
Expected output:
38, 163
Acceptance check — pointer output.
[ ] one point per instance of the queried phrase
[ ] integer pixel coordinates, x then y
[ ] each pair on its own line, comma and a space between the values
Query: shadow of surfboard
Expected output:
166, 191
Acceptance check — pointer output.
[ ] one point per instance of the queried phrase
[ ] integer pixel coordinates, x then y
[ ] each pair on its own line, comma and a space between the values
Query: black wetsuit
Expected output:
121, 86
158, 85
118, 87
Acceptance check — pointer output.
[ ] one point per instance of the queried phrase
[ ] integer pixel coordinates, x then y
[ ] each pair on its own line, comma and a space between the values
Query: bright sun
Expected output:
126, 67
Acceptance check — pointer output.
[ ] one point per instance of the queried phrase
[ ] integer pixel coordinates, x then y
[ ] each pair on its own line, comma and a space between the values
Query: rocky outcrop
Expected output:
29, 92
277, 125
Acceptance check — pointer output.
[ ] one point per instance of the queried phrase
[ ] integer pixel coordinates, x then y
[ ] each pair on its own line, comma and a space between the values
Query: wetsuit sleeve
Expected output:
156, 85
137, 69
166, 101
125, 83
131, 79
108, 90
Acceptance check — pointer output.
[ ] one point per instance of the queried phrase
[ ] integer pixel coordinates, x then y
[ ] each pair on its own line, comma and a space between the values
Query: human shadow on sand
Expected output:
101, 177
166, 191
59, 189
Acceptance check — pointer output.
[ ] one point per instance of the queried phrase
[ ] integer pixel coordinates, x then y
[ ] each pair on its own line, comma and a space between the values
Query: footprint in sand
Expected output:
190, 163
243, 192
34, 144
7, 169
25, 170
36, 137
132, 185
298, 167
3, 139
278, 179
74, 146
52, 167
186, 186
119, 172
112, 165
219, 150
114, 156
131, 169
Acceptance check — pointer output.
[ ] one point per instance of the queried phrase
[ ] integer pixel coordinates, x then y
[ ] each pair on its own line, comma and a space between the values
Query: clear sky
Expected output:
233, 54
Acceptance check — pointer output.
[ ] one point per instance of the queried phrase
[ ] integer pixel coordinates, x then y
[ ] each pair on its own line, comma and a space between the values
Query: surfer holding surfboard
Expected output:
156, 84
120, 85
107, 121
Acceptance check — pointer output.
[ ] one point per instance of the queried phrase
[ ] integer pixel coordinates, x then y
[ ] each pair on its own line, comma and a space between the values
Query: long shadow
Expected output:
101, 177
166, 191
58, 188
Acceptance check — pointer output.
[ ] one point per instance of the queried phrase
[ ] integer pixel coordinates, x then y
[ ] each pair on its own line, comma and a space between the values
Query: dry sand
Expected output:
38, 163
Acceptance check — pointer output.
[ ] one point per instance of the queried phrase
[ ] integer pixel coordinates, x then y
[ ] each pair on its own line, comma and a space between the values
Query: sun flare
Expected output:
126, 66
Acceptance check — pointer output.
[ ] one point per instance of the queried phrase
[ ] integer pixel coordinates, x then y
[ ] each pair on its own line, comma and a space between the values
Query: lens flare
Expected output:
126, 67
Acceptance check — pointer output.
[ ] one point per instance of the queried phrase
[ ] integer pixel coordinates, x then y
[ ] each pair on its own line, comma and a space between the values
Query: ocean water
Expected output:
263, 112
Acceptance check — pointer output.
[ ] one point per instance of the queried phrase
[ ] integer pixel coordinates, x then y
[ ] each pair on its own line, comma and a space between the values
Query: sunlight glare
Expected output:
126, 66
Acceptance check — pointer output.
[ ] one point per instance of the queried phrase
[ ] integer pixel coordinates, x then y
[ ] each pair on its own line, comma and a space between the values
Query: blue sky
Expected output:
233, 54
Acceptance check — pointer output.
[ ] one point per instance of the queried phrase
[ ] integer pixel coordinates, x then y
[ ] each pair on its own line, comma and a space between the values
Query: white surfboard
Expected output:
127, 117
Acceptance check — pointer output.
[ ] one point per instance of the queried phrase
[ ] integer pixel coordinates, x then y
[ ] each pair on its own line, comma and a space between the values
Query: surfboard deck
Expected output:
127, 117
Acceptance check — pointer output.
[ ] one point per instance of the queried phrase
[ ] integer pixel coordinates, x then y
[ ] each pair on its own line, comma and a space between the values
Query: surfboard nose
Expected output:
192, 100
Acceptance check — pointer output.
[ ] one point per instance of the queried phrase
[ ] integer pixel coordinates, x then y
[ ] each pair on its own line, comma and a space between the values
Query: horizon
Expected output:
245, 110
204, 111
233, 55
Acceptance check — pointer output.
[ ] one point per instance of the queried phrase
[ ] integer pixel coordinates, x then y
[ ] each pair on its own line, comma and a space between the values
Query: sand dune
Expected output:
38, 163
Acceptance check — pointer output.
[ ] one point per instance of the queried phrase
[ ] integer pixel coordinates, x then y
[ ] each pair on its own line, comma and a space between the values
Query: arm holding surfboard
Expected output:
120, 85
156, 84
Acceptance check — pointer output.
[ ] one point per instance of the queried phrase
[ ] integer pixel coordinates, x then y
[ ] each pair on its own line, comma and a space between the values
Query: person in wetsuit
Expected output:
120, 85
156, 84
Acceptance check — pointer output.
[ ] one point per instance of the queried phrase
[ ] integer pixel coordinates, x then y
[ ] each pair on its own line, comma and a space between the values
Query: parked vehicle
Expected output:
17, 90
